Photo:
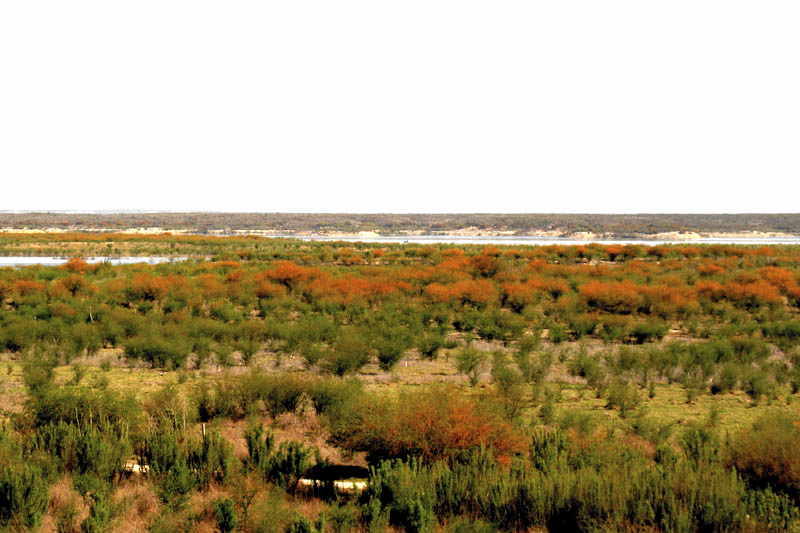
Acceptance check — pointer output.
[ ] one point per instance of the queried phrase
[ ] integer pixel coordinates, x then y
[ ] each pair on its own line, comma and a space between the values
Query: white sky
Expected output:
407, 106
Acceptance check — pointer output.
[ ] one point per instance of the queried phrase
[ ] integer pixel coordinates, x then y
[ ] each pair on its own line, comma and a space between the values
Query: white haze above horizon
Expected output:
400, 107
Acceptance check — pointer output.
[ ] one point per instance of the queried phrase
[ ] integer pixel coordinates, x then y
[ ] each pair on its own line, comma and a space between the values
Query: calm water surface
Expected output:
21, 261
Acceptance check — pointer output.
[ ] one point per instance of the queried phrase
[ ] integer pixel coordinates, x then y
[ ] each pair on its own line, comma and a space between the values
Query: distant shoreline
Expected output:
463, 234
579, 227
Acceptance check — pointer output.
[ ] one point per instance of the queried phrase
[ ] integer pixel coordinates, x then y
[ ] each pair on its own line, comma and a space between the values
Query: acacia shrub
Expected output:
83, 407
501, 326
622, 297
751, 295
163, 346
768, 453
649, 330
786, 334
179, 463
435, 423
582, 324
403, 491
391, 341
429, 344
349, 353
24, 493
276, 394
17, 334
97, 450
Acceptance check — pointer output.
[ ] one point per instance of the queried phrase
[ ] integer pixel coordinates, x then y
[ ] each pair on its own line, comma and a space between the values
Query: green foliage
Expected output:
210, 459
497, 325
700, 446
756, 385
94, 450
177, 483
510, 385
24, 495
588, 367
470, 361
349, 354
301, 524
289, 463
240, 396
38, 375
582, 324
429, 344
84, 407
225, 515
284, 466
623, 396
160, 351
179, 463
650, 330
398, 489
343, 518
391, 343
101, 513
786, 334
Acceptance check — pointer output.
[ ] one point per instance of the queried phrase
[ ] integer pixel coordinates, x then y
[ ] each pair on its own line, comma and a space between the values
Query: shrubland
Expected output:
578, 388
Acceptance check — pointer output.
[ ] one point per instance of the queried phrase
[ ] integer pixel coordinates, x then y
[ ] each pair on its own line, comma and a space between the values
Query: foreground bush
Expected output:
768, 454
570, 488
24, 493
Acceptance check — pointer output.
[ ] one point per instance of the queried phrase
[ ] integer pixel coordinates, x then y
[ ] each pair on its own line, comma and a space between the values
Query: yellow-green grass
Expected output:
730, 411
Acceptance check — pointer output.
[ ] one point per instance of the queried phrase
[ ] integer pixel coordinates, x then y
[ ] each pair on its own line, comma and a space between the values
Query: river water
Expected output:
22, 261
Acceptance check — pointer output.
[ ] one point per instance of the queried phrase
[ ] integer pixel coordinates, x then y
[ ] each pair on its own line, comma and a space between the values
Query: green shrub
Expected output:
557, 333
100, 513
582, 325
756, 385
700, 446
429, 344
588, 367
510, 384
785, 334
225, 515
24, 495
623, 396
343, 518
161, 352
650, 330
470, 362
38, 375
210, 459
727, 380
289, 463
497, 325
84, 407
349, 354
301, 524
466, 321
398, 488
284, 466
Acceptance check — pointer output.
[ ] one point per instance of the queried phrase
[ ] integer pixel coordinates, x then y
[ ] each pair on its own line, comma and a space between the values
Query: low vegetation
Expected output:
582, 388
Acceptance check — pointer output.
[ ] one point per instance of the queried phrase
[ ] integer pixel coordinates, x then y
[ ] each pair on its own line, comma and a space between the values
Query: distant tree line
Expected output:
621, 226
